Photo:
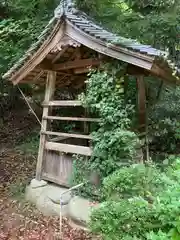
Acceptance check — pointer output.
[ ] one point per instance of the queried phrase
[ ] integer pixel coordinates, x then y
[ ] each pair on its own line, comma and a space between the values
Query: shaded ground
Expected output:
18, 219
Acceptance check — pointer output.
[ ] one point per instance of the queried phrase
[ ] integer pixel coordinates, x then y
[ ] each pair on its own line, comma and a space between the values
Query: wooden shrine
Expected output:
70, 45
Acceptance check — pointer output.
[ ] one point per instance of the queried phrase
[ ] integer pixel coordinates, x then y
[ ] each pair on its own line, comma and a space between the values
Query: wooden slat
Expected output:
62, 103
56, 139
67, 148
72, 119
70, 135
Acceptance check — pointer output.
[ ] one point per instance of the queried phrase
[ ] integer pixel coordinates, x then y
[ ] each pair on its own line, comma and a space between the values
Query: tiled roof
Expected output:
87, 25
84, 23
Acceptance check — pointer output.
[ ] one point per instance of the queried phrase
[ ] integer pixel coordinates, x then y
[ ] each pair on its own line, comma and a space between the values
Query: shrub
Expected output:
157, 236
127, 214
136, 180
126, 218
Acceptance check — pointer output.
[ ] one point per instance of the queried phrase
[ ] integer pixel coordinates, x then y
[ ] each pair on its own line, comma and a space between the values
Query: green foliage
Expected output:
113, 142
115, 220
157, 236
133, 214
136, 180
155, 22
21, 23
164, 119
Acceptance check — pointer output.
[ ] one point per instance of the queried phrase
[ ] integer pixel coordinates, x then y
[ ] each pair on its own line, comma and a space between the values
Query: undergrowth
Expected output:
141, 202
30, 144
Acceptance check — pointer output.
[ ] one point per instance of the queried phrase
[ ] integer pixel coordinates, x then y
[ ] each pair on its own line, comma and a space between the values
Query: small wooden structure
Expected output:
68, 46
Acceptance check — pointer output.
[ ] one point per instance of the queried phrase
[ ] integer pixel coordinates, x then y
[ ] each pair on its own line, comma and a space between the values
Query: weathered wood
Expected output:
67, 148
56, 139
71, 135
48, 177
62, 103
81, 70
57, 167
72, 119
50, 87
141, 101
76, 64
164, 74
71, 64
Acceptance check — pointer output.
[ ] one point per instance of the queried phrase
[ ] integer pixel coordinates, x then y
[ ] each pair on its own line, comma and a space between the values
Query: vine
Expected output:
114, 144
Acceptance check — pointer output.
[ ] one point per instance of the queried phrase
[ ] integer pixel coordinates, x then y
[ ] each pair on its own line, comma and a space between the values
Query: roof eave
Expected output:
39, 55
109, 49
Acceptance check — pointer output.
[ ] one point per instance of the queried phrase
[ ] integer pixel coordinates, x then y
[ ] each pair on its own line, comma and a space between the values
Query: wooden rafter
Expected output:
71, 64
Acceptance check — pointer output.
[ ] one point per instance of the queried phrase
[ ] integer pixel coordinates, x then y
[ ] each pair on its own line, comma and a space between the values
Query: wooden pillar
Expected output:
49, 93
141, 103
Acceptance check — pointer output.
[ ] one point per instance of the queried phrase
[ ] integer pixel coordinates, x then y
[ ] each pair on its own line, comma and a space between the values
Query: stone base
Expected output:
46, 197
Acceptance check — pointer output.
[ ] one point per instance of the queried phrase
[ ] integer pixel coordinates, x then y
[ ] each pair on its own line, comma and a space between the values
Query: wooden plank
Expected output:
76, 64
48, 177
56, 139
70, 135
62, 103
67, 148
72, 119
50, 87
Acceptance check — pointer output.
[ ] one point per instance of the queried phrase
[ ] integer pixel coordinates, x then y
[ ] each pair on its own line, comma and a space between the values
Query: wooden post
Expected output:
141, 102
49, 93
142, 111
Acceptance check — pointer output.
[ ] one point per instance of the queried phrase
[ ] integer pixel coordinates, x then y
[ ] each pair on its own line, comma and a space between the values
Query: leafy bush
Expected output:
136, 180
130, 214
157, 236
115, 220
113, 142
164, 120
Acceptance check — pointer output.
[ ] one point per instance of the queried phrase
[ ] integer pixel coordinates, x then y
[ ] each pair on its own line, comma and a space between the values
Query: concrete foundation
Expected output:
46, 197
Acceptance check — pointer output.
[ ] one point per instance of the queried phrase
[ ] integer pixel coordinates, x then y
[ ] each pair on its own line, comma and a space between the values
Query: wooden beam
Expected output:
67, 148
77, 64
72, 119
81, 70
165, 75
62, 103
50, 87
56, 139
69, 135
70, 64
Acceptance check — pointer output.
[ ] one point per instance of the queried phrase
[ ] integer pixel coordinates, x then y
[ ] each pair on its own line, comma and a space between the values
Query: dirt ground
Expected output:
18, 219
